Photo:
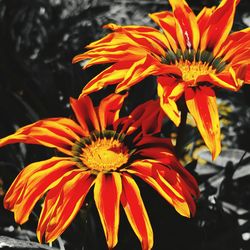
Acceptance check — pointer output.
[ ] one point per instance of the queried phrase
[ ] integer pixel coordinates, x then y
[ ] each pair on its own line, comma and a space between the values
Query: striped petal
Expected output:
141, 118
168, 183
32, 183
169, 91
112, 75
166, 21
143, 68
85, 113
218, 26
203, 18
201, 103
107, 192
187, 29
146, 37
62, 203
110, 54
226, 79
109, 109
136, 213
161, 150
235, 43
58, 133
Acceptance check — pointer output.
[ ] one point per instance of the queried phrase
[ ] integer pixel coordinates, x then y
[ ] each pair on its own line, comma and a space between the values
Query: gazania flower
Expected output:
101, 151
190, 56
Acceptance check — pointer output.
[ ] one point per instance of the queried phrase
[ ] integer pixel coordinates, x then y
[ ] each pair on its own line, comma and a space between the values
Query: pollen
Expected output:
104, 154
191, 70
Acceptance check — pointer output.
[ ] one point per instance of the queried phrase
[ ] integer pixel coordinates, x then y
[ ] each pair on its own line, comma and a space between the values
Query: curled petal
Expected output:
111, 53
226, 79
136, 213
62, 203
243, 73
32, 183
107, 192
169, 91
112, 75
114, 38
201, 103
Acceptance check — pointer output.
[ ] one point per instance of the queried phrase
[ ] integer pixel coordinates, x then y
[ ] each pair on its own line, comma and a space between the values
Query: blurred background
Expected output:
38, 39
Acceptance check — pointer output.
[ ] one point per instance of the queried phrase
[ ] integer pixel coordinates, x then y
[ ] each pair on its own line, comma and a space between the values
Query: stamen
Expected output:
190, 71
103, 151
194, 63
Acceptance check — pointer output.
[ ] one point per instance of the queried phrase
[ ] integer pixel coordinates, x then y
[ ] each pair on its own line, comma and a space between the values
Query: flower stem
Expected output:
179, 147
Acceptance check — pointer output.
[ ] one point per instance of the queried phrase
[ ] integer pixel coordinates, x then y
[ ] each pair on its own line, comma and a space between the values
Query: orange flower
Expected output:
104, 151
191, 56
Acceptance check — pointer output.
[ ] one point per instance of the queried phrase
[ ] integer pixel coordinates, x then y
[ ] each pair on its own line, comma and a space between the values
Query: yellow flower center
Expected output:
104, 154
194, 63
101, 151
191, 70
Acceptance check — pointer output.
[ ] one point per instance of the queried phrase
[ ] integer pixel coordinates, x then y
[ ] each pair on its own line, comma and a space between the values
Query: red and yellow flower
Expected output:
191, 56
103, 152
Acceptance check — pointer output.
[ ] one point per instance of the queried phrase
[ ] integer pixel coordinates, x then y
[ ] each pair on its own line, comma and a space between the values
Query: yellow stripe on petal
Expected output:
166, 21
218, 27
31, 184
136, 212
107, 192
187, 29
85, 113
201, 103
63, 202
112, 75
169, 91
109, 109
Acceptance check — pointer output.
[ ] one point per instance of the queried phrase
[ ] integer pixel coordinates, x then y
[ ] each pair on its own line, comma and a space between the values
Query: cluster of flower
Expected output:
190, 56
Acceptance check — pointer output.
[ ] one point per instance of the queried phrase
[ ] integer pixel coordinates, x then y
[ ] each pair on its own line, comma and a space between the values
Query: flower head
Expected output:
192, 55
101, 151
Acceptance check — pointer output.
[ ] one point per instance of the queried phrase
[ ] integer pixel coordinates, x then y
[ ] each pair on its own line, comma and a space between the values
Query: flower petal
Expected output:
142, 117
56, 132
203, 18
162, 151
226, 79
112, 75
111, 53
187, 29
201, 103
109, 109
169, 91
243, 73
142, 68
168, 183
62, 203
147, 37
218, 26
136, 213
166, 21
235, 44
31, 184
107, 192
85, 113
